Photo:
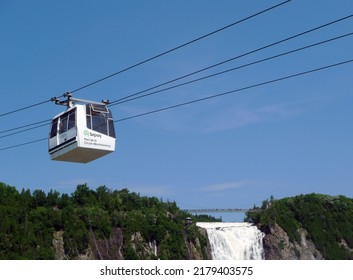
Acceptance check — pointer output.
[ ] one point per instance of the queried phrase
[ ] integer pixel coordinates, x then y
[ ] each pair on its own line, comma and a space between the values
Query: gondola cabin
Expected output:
84, 132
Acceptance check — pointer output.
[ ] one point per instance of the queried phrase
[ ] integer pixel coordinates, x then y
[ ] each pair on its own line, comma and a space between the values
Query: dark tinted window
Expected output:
67, 121
63, 123
72, 119
54, 128
111, 128
89, 121
99, 123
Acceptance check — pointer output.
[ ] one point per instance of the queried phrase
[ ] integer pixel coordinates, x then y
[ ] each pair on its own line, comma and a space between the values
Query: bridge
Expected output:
222, 210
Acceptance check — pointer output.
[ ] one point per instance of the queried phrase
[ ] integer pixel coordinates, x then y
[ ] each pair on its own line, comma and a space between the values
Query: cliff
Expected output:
112, 248
277, 246
312, 226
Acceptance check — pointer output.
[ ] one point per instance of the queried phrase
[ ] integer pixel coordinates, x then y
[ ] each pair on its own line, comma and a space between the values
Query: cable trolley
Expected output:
83, 132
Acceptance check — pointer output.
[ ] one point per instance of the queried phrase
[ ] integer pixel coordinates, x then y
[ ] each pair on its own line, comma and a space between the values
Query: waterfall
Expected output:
234, 241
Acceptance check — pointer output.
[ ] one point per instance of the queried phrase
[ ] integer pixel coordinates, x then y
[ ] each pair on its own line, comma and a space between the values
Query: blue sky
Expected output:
282, 139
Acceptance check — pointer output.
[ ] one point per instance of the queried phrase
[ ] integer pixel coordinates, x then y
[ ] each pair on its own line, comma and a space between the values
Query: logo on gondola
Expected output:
91, 134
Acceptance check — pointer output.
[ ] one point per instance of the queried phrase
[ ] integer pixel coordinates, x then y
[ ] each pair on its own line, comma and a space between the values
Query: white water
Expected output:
234, 241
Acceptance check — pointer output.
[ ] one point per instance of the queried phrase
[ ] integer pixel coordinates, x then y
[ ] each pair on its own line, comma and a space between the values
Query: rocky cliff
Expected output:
277, 245
112, 248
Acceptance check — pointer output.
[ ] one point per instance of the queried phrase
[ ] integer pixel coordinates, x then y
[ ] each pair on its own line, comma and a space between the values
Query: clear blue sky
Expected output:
282, 139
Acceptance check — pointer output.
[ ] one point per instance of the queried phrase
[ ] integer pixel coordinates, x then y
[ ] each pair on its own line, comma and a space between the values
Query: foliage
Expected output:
206, 218
328, 220
28, 221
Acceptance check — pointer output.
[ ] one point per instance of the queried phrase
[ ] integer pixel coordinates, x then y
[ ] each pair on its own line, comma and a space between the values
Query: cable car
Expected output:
82, 133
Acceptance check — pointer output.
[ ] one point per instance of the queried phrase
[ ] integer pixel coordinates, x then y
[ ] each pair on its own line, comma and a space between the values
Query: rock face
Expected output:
99, 249
277, 246
108, 249
143, 249
194, 249
58, 244
112, 248
203, 232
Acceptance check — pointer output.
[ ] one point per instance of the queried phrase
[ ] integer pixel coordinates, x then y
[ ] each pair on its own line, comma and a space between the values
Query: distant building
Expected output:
188, 221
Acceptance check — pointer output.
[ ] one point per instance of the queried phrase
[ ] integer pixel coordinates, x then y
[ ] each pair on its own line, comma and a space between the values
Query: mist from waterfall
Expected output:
234, 241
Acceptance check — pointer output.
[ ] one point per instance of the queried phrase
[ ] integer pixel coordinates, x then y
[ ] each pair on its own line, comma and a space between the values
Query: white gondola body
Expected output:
76, 136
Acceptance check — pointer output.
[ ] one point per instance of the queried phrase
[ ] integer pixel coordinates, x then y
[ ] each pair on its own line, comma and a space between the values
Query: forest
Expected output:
327, 219
29, 220
119, 224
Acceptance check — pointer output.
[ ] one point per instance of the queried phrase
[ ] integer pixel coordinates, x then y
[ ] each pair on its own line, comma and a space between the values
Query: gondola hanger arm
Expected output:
70, 101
